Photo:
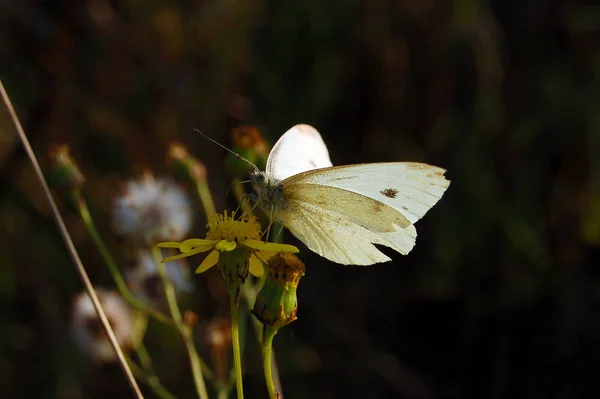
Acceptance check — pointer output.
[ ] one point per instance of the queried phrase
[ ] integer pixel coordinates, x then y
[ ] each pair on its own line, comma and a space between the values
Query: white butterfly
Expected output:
339, 212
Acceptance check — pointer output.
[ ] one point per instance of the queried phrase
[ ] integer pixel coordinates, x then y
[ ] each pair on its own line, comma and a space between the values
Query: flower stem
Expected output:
249, 292
206, 199
184, 330
149, 378
148, 375
267, 349
235, 339
85, 215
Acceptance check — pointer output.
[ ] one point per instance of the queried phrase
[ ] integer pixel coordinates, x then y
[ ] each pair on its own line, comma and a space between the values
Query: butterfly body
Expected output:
270, 192
339, 212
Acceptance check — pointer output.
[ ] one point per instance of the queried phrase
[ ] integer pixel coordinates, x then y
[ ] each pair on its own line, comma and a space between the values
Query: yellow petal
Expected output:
226, 246
168, 245
185, 254
208, 262
266, 255
256, 268
194, 243
270, 246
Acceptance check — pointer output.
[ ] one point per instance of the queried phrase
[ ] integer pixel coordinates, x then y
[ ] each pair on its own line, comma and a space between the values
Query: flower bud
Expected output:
233, 263
190, 318
185, 165
64, 172
276, 304
249, 143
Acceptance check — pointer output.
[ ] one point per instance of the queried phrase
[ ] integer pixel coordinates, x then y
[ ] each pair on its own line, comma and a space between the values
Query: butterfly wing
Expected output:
410, 188
340, 212
299, 149
342, 226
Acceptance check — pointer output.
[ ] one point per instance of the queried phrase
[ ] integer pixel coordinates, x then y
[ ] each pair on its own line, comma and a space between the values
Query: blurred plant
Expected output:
186, 166
150, 210
145, 210
249, 143
144, 281
129, 329
217, 338
89, 335
183, 325
65, 174
69, 181
104, 322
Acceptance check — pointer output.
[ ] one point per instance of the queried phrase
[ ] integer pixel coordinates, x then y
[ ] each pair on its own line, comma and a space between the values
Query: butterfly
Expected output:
340, 212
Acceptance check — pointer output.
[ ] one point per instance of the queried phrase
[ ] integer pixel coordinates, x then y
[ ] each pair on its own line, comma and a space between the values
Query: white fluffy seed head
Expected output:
145, 283
150, 210
87, 330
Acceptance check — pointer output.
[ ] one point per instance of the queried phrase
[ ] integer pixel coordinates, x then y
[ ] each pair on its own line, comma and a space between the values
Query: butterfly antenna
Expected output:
227, 149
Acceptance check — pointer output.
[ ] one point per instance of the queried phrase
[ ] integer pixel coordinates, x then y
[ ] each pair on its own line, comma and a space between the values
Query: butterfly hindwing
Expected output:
345, 233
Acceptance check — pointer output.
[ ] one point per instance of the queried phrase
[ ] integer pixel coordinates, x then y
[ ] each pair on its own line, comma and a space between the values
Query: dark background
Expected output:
500, 297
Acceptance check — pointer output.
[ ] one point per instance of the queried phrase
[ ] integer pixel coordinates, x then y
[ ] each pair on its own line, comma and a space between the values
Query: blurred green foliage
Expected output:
500, 297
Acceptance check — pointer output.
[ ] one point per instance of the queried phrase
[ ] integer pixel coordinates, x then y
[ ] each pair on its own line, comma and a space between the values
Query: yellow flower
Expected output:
236, 247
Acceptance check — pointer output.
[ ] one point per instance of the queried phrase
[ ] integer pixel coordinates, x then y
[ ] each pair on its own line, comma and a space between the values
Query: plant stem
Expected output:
235, 339
112, 266
249, 292
267, 349
149, 378
206, 199
223, 393
184, 330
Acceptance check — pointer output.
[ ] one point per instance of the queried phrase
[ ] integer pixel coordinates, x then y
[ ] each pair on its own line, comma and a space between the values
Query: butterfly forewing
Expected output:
299, 149
410, 188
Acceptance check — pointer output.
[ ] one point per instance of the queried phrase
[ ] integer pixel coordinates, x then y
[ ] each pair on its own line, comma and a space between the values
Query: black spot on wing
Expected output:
389, 192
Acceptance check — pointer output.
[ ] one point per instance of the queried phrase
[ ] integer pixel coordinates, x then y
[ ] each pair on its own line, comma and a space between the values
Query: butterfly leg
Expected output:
276, 239
267, 233
245, 204
254, 198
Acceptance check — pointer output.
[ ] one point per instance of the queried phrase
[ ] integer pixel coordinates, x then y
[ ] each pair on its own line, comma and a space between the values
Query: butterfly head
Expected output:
269, 190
